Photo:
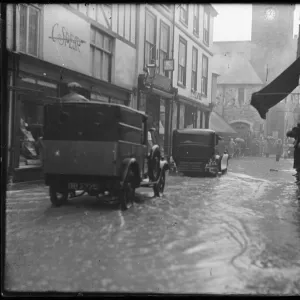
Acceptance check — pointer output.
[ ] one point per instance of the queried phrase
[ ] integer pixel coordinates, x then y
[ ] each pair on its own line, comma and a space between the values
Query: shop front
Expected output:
37, 82
155, 98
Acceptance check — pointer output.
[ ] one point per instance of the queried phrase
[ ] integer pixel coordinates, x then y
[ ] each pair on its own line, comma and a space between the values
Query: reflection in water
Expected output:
233, 234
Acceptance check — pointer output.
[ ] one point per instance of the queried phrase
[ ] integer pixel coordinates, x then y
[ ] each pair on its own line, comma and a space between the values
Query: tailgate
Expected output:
80, 157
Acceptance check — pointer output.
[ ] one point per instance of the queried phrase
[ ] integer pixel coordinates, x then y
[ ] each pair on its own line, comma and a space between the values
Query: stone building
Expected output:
236, 82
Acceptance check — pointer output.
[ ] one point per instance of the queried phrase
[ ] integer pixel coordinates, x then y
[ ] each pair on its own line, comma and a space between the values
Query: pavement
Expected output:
238, 233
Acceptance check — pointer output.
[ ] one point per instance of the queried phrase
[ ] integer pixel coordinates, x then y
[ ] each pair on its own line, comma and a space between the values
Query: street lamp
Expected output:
151, 68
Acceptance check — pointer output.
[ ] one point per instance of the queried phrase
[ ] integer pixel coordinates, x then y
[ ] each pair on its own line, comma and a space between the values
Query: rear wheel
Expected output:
160, 186
58, 198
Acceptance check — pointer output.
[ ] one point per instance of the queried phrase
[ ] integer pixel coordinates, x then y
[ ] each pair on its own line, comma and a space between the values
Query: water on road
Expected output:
239, 233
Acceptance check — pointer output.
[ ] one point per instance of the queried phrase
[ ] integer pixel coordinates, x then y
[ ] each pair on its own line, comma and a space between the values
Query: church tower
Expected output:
273, 50
272, 39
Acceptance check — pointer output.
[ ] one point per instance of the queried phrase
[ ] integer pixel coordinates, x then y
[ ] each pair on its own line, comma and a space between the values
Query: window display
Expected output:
31, 126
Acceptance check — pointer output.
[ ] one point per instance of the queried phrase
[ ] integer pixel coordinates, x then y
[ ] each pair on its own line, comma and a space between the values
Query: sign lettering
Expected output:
65, 38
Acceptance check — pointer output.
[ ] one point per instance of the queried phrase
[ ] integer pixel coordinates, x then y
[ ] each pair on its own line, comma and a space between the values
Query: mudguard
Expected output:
127, 163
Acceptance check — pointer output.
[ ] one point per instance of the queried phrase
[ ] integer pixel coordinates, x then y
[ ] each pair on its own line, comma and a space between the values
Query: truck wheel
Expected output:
58, 198
127, 193
158, 188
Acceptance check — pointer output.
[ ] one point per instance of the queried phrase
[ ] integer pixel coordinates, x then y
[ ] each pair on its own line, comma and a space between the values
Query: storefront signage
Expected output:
168, 64
66, 39
196, 95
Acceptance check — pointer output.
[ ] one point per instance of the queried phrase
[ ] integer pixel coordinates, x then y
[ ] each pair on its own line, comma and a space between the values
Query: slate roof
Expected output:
234, 69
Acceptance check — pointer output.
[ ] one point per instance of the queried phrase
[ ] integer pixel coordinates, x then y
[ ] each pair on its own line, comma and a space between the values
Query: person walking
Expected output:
266, 148
279, 149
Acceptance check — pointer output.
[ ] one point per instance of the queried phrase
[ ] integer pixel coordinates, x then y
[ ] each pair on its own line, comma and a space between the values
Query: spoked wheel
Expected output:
160, 186
154, 167
58, 198
127, 193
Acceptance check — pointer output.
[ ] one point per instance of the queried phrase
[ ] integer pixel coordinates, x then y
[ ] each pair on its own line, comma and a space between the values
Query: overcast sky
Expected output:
233, 22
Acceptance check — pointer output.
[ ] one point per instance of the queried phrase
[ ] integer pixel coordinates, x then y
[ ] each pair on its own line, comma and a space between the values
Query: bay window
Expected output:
29, 29
150, 39
204, 79
194, 68
164, 47
182, 61
101, 55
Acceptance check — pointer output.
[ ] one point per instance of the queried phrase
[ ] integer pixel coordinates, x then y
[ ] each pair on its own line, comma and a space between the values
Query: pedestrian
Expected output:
295, 134
279, 149
231, 147
266, 148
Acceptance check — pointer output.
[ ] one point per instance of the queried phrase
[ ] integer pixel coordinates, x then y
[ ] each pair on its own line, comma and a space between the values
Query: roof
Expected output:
219, 125
77, 101
234, 69
195, 131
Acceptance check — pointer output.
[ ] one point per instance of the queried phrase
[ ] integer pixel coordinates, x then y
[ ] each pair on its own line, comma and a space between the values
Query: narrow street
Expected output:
239, 233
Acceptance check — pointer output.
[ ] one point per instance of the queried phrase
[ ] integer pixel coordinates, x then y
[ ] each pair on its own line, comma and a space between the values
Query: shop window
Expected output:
204, 80
182, 61
194, 68
117, 101
126, 16
101, 55
164, 47
150, 39
31, 130
206, 26
184, 13
29, 18
196, 20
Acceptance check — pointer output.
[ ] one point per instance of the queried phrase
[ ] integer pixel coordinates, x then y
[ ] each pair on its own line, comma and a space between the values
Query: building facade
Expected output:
52, 45
181, 97
236, 82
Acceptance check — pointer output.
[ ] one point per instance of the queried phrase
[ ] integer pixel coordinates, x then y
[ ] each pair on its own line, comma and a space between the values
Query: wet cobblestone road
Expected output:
239, 233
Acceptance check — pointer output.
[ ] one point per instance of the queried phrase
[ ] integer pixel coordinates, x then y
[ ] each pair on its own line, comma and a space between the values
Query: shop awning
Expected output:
219, 125
277, 90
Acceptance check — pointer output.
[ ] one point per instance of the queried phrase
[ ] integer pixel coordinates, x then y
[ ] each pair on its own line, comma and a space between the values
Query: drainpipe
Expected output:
174, 95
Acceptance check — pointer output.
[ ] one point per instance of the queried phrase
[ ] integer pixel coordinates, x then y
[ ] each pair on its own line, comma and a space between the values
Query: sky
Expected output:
229, 15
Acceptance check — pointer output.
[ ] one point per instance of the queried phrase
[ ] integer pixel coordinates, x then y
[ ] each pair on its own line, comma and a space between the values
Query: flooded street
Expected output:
239, 233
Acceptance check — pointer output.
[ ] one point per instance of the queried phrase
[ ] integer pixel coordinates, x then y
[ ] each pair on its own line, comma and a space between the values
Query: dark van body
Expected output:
194, 151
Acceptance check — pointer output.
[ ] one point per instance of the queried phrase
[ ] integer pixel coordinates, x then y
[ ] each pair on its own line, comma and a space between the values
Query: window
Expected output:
29, 29
126, 16
194, 68
204, 79
241, 96
206, 27
184, 13
196, 20
164, 47
182, 61
101, 52
150, 39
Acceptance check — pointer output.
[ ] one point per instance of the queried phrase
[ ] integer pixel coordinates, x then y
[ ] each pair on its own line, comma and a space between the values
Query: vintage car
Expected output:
99, 148
195, 151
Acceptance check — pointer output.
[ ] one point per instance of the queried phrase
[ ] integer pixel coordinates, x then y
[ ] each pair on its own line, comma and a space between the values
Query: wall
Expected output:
232, 109
161, 15
124, 70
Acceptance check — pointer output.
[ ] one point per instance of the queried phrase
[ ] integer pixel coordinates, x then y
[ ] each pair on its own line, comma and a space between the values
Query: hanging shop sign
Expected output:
66, 40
